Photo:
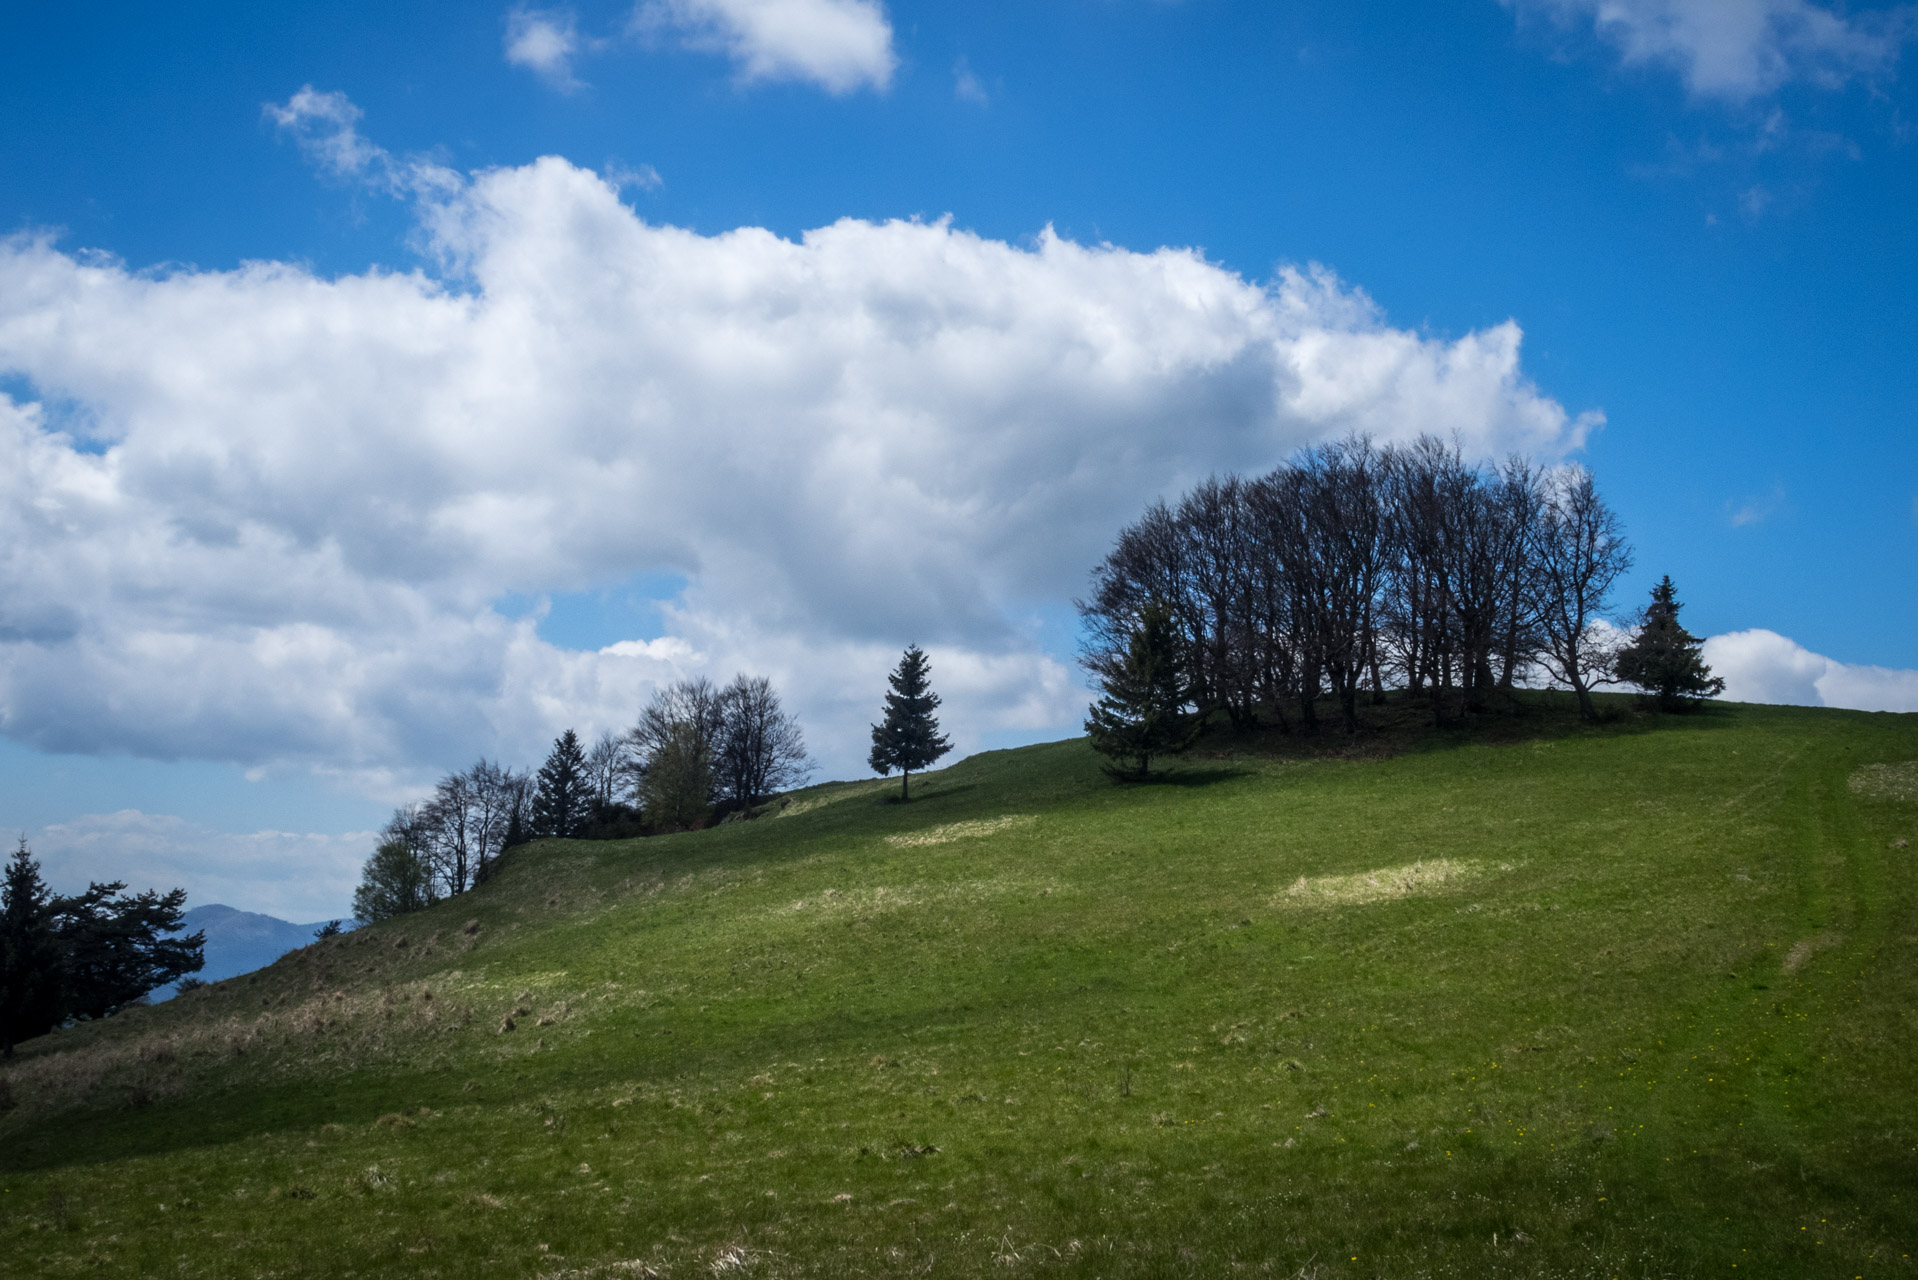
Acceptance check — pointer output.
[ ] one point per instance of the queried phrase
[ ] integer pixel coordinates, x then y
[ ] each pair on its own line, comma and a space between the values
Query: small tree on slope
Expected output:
394, 881
1142, 714
1663, 658
563, 798
908, 738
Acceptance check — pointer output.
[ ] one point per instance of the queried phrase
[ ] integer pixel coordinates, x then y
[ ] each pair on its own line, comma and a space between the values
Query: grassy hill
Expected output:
1635, 1001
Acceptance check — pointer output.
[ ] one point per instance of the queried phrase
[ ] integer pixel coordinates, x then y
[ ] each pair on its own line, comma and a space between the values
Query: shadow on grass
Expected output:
1190, 776
1407, 724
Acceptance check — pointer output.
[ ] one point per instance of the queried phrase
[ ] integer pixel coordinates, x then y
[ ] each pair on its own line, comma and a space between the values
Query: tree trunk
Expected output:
905, 785
1586, 711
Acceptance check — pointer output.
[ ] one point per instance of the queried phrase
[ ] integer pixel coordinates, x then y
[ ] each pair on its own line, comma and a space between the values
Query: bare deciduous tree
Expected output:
1580, 551
760, 749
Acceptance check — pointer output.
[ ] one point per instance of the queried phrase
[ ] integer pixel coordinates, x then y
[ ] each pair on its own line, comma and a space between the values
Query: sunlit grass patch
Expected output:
973, 830
1414, 879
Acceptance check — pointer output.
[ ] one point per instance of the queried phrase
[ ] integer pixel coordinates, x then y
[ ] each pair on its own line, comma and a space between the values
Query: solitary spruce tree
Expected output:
1663, 658
909, 737
1142, 714
563, 799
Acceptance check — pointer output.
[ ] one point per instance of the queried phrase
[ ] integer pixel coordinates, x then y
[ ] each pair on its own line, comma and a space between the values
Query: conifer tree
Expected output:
908, 738
1142, 714
31, 987
1663, 658
563, 799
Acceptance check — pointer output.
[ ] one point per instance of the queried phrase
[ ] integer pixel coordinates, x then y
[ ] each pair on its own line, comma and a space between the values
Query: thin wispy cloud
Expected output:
545, 42
1737, 50
1755, 509
840, 45
966, 85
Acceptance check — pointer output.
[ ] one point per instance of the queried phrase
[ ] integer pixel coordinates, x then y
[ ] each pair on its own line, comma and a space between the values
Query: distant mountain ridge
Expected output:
241, 941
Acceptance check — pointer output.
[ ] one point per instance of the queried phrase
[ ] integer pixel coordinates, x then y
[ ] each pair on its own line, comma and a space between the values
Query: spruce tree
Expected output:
563, 799
908, 738
1143, 714
1663, 658
31, 979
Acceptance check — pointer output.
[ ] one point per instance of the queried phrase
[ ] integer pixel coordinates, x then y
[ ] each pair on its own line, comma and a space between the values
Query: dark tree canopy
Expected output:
30, 986
908, 738
85, 956
119, 946
1354, 568
1663, 658
1143, 714
676, 794
563, 797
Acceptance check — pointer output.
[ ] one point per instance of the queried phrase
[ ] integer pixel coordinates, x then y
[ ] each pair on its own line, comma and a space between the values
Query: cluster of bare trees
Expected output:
696, 748
448, 843
1357, 568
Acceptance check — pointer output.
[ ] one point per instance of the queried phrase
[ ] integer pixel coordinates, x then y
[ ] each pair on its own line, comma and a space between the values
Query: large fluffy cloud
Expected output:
840, 45
1738, 49
265, 516
1763, 666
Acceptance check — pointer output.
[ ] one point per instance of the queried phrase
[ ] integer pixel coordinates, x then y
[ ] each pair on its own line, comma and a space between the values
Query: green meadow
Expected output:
1630, 1001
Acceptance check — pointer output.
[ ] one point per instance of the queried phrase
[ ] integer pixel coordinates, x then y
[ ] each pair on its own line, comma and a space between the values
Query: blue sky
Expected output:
1700, 218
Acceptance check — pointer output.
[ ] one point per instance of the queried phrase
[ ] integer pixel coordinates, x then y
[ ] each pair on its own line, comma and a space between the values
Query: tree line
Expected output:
697, 753
75, 957
1357, 568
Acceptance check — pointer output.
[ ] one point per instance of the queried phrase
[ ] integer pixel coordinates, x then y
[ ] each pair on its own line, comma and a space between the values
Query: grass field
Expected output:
1627, 1002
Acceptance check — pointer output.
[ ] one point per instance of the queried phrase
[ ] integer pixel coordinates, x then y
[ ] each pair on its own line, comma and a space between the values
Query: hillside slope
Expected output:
1630, 1002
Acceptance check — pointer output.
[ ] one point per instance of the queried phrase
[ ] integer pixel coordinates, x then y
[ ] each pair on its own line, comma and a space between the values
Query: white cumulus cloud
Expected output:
840, 45
1763, 666
1741, 49
270, 517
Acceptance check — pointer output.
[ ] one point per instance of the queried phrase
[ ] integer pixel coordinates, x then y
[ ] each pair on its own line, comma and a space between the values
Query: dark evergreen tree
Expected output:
1663, 658
515, 826
909, 737
85, 956
563, 799
116, 947
395, 880
30, 969
1143, 713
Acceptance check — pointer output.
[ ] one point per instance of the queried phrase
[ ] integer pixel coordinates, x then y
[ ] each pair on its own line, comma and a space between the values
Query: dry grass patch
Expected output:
845, 792
963, 831
879, 899
1414, 879
1803, 951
